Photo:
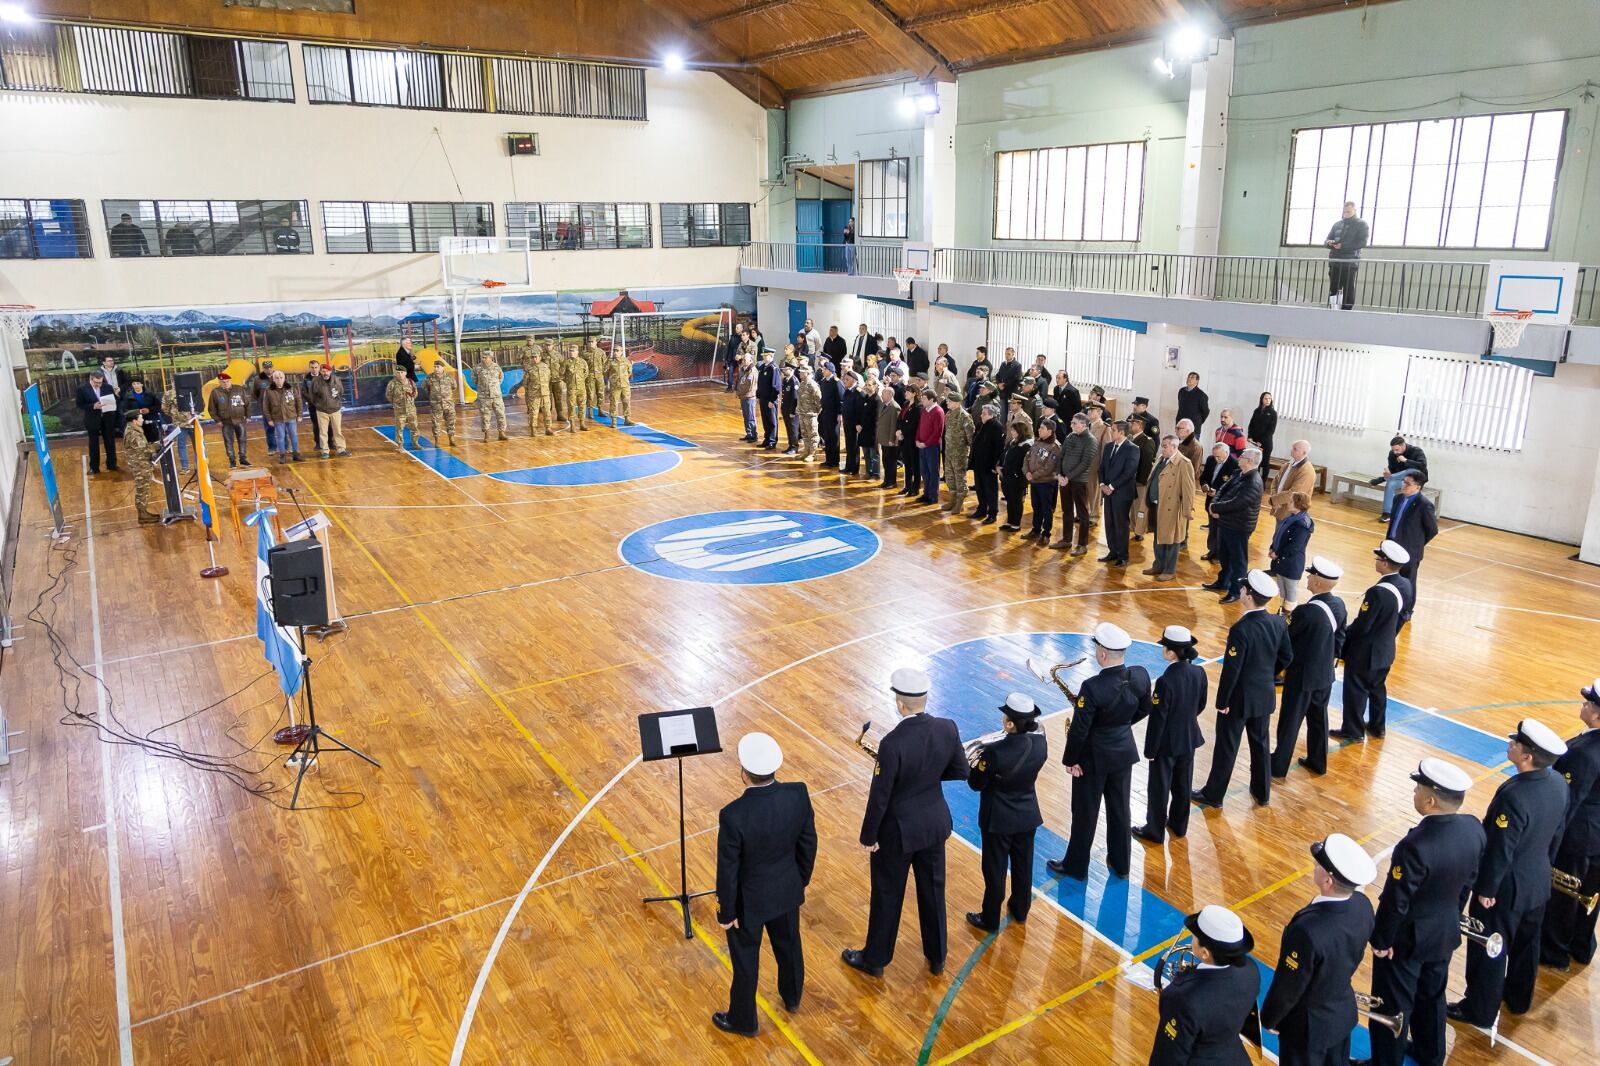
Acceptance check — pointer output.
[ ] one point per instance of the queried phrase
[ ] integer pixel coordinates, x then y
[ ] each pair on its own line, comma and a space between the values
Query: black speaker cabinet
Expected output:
295, 572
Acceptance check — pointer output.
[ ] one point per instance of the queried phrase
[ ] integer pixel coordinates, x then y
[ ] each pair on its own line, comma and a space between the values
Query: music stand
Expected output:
679, 735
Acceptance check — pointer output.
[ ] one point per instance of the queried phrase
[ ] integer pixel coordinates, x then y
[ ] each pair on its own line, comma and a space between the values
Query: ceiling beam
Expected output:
962, 14
821, 44
1050, 51
742, 11
720, 60
889, 33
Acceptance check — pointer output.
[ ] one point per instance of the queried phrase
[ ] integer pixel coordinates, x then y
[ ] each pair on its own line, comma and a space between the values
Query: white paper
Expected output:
108, 403
675, 730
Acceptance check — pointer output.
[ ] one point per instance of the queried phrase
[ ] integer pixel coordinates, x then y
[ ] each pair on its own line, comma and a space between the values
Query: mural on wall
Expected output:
677, 327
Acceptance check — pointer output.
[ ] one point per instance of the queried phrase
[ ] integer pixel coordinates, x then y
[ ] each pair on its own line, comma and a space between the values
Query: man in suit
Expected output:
767, 389
766, 848
1310, 1003
865, 344
1344, 242
1258, 651
1418, 925
1149, 444
1297, 475
1568, 933
99, 419
1172, 736
832, 414
917, 358
834, 347
1205, 1010
1220, 468
1119, 471
1235, 510
1316, 636
1369, 645
1523, 830
1101, 753
1193, 403
1412, 524
850, 420
906, 824
1008, 376
1004, 775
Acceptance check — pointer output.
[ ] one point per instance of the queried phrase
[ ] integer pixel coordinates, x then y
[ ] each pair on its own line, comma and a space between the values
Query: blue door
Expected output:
808, 235
835, 213
797, 322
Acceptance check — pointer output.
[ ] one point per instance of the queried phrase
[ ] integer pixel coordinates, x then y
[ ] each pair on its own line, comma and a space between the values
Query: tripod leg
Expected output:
338, 745
306, 752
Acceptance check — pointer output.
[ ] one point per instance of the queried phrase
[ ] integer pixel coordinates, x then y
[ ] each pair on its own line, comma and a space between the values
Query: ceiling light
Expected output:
1187, 42
908, 107
1163, 66
928, 103
673, 61
13, 13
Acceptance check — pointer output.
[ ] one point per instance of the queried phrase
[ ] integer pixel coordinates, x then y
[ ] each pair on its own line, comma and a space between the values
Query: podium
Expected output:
679, 735
173, 509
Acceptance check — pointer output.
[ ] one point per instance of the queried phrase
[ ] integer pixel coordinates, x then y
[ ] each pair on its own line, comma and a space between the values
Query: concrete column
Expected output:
1205, 154
938, 189
1589, 548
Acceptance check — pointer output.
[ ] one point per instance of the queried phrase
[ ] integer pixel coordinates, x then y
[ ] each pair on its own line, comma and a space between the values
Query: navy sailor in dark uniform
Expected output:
1523, 825
1418, 926
1316, 636
766, 848
1568, 934
1101, 753
1310, 1003
1204, 1011
1171, 737
906, 824
1004, 774
1258, 650
1369, 644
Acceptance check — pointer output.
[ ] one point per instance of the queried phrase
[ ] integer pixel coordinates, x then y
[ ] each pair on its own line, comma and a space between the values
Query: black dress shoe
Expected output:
1302, 761
1214, 586
1376, 734
1339, 734
1059, 868
1457, 1012
1106, 558
1232, 597
936, 968
1020, 919
720, 1020
1148, 835
852, 958
975, 920
1200, 801
791, 1005
988, 521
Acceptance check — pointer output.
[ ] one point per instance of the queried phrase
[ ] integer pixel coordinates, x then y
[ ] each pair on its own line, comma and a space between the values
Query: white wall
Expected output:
704, 142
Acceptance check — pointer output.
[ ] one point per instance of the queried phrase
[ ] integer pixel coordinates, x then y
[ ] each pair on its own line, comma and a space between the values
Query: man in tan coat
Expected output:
1170, 496
1297, 475
1100, 430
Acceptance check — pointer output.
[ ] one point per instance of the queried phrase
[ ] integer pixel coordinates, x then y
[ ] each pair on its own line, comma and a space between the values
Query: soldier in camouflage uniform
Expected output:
808, 405
619, 393
575, 372
958, 431
558, 384
491, 405
442, 402
536, 389
137, 453
595, 359
401, 392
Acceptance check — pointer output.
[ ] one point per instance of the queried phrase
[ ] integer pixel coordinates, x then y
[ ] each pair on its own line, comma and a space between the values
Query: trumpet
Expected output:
1572, 885
1368, 1007
1177, 960
1493, 943
861, 741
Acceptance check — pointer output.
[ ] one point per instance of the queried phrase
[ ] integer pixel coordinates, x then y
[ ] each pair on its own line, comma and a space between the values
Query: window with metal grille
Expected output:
1458, 401
1085, 192
139, 228
1319, 383
1029, 335
1098, 354
568, 90
881, 192
102, 59
1476, 181
555, 227
357, 226
704, 225
44, 229
889, 319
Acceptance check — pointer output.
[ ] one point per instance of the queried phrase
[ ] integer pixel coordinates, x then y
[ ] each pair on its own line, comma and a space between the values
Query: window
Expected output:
1088, 192
883, 184
571, 226
704, 225
103, 59
44, 229
137, 228
1098, 354
891, 320
1030, 336
354, 226
570, 90
1456, 401
1316, 383
1478, 181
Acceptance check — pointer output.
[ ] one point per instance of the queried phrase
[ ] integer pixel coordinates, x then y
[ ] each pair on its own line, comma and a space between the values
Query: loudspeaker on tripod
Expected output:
295, 578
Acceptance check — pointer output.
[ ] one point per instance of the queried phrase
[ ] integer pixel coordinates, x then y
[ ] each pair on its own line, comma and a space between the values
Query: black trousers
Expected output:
1225, 753
852, 454
1043, 498
769, 423
988, 488
889, 870
1568, 933
791, 429
1417, 990
828, 430
1170, 776
1002, 851
744, 951
1234, 547
1293, 1052
1510, 978
891, 459
1076, 525
909, 460
1302, 705
1365, 693
1342, 280
1087, 793
1117, 513
1409, 572
106, 433
1016, 490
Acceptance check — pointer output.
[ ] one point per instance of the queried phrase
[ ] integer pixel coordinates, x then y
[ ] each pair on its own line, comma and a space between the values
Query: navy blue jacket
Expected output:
1316, 642
1180, 696
1258, 648
906, 809
1310, 1002
1369, 642
1428, 884
1415, 527
832, 402
766, 848
1523, 827
1100, 738
1289, 540
1202, 1014
1580, 769
1119, 468
1005, 777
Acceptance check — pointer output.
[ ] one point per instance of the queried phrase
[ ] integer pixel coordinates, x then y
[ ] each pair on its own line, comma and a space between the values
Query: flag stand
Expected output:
213, 570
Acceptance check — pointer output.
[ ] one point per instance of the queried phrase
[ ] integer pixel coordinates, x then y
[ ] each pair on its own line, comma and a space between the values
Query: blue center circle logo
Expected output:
749, 547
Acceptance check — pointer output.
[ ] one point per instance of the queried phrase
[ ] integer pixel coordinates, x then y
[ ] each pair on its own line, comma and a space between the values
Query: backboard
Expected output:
466, 263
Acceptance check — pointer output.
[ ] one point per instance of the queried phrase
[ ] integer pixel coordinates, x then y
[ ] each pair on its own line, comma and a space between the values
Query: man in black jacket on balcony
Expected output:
1345, 241
1193, 403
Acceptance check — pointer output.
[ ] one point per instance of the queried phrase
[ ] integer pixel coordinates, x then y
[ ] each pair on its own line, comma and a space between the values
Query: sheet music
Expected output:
676, 730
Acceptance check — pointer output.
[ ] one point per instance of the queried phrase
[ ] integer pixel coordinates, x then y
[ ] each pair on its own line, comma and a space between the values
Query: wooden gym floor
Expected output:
497, 656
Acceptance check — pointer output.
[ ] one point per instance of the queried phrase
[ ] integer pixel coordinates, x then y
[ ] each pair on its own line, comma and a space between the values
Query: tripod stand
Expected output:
683, 895
315, 739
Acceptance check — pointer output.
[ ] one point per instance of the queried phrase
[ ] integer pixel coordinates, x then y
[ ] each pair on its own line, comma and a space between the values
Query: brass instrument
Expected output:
977, 745
1572, 885
1177, 960
1368, 1007
1493, 944
861, 741
1053, 673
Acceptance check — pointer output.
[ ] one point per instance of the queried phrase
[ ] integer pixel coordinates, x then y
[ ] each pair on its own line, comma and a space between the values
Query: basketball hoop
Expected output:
493, 284
903, 277
15, 319
1508, 327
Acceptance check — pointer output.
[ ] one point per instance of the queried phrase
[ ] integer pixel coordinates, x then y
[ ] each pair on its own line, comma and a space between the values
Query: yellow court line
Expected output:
559, 770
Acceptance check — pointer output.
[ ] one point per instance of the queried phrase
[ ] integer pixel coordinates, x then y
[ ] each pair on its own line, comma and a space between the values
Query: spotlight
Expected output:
1163, 66
908, 107
928, 102
1187, 42
672, 61
14, 13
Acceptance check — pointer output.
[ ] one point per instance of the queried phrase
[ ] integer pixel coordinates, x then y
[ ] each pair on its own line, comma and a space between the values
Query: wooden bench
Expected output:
1354, 483
1319, 482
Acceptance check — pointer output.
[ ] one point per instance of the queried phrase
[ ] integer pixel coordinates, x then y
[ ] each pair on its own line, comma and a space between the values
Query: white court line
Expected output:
1522, 610
1480, 558
119, 946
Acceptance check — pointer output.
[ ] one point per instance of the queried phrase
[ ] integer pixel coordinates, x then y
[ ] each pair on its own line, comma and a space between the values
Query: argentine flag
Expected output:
277, 643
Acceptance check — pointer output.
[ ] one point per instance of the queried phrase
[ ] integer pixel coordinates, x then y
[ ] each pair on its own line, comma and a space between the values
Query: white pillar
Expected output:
938, 188
1589, 547
1205, 153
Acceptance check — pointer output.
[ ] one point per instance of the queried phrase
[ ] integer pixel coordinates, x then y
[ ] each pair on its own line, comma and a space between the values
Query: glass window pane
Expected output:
185, 227
344, 226
1547, 130
1502, 184
374, 77
1508, 138
1474, 139
561, 227
1497, 227
1533, 227
1094, 192
131, 228
1539, 184
389, 226
1306, 145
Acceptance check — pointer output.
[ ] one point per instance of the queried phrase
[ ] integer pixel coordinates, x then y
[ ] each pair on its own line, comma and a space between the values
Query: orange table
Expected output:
248, 486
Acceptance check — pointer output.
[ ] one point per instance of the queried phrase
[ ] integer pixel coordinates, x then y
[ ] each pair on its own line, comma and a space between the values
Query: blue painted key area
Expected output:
438, 460
608, 471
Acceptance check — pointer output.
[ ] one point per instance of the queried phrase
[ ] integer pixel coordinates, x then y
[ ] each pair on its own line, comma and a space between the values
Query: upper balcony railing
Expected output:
866, 260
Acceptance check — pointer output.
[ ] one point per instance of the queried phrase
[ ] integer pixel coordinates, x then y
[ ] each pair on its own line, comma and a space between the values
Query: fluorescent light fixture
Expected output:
1187, 42
672, 61
14, 13
1164, 66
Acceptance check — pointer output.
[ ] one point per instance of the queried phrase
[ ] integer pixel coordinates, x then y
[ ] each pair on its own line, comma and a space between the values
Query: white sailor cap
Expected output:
1176, 637
1345, 860
1262, 583
909, 681
1393, 552
1532, 733
1442, 776
1220, 930
1324, 567
759, 754
1020, 707
1592, 693
1112, 637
